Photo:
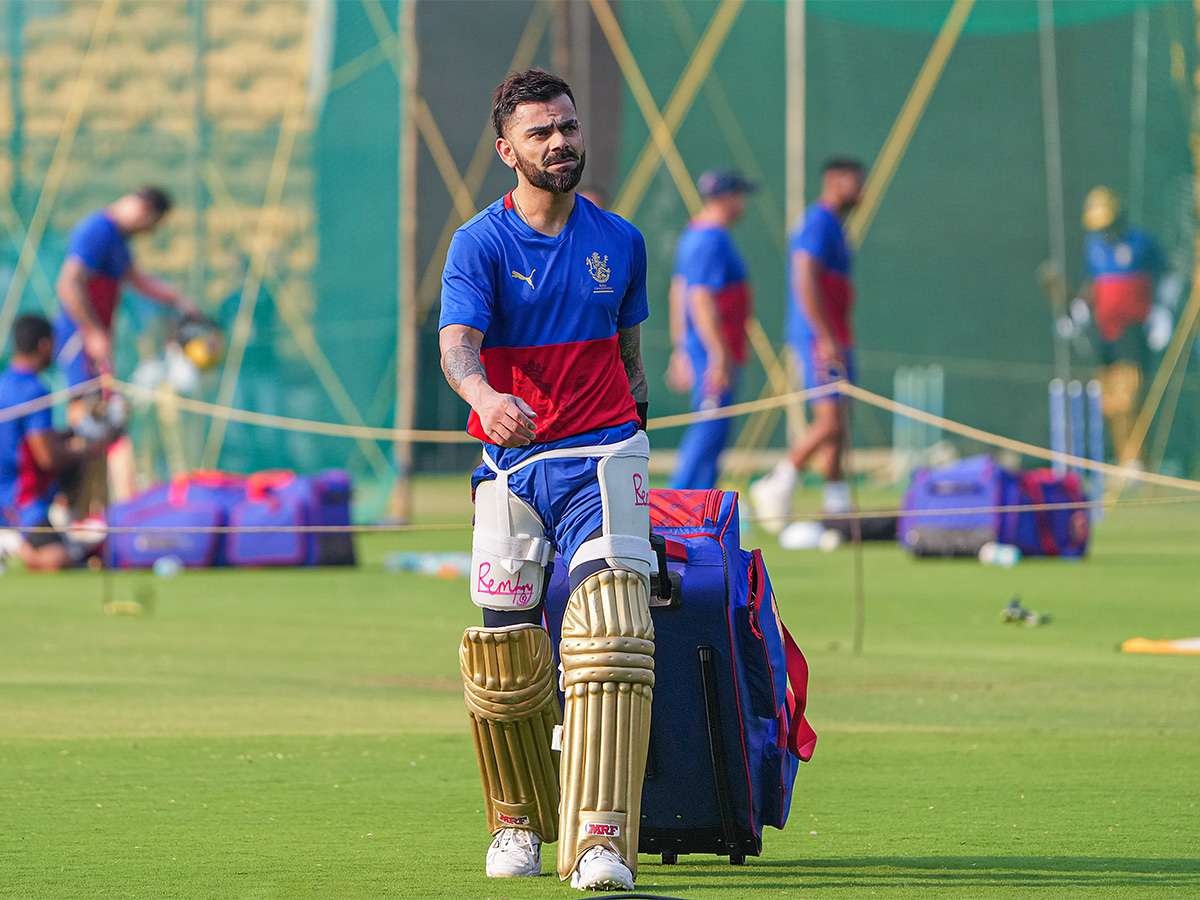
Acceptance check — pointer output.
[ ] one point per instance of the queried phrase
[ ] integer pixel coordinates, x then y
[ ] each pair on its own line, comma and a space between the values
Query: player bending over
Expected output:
542, 297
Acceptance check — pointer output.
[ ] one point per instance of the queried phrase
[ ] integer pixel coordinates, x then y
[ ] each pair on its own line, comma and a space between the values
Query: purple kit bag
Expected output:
976, 488
194, 500
283, 499
971, 487
727, 722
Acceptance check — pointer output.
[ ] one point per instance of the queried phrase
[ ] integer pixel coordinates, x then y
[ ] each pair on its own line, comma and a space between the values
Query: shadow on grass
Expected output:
934, 871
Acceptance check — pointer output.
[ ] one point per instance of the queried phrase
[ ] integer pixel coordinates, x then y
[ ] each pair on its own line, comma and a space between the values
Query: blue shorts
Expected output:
69, 356
814, 375
565, 493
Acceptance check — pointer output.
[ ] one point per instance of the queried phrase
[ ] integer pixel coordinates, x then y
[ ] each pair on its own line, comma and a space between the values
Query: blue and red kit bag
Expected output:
727, 727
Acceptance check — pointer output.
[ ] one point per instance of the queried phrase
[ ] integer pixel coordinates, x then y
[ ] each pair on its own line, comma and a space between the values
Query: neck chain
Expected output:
520, 212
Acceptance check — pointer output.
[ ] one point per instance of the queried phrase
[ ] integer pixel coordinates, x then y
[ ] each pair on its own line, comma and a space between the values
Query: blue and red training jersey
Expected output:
822, 237
104, 250
25, 488
1122, 274
549, 309
705, 256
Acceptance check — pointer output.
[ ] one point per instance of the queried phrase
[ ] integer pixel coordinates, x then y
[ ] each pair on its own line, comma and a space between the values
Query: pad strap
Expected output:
627, 550
520, 547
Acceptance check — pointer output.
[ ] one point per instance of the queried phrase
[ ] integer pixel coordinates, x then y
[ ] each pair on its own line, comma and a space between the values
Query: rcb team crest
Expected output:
598, 266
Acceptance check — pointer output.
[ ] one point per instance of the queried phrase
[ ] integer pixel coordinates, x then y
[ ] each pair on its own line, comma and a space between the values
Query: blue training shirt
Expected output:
706, 256
821, 236
25, 489
549, 309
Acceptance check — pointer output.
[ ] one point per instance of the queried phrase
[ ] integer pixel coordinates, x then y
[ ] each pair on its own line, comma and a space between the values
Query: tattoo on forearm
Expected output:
459, 363
630, 342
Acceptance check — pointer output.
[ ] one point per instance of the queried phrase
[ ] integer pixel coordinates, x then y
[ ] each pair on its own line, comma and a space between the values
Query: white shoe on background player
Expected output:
600, 869
515, 853
771, 499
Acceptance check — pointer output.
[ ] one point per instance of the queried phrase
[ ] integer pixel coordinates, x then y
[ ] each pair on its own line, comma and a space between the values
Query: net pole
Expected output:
794, 22
1051, 130
406, 288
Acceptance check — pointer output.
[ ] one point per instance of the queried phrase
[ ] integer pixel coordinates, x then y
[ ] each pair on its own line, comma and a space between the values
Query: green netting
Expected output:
948, 271
193, 95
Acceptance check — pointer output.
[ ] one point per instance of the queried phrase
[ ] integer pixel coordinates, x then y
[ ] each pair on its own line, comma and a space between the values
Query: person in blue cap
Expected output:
710, 300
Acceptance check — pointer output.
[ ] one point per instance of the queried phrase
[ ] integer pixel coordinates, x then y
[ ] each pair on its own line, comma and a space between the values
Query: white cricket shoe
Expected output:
802, 536
772, 502
600, 869
515, 853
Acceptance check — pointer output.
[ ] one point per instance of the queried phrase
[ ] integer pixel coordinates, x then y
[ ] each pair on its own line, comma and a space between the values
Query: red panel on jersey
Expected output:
733, 301
104, 291
838, 291
573, 388
1121, 300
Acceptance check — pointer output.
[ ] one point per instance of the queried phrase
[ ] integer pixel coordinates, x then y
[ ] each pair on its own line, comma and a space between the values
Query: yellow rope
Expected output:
58, 163
455, 526
995, 440
664, 127
906, 123
261, 247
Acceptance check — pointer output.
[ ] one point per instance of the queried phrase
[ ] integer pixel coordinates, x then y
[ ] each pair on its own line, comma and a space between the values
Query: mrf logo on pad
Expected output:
512, 820
600, 829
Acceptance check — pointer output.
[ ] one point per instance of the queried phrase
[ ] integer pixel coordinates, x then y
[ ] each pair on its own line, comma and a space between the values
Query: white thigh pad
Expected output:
625, 492
509, 550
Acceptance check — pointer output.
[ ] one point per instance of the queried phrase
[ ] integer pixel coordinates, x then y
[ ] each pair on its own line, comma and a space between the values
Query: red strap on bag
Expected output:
260, 484
178, 491
801, 739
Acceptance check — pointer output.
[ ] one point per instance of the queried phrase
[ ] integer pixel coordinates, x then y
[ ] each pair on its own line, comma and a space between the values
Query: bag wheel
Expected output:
670, 858
737, 859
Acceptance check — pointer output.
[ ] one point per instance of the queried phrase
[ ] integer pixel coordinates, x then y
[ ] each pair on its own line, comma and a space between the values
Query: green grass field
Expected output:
301, 733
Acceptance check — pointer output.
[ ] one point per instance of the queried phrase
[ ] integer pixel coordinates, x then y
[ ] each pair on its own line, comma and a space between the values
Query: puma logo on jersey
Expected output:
528, 279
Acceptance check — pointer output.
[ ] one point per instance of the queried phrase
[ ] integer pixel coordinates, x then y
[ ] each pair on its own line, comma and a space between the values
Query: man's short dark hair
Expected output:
530, 86
156, 198
29, 331
843, 164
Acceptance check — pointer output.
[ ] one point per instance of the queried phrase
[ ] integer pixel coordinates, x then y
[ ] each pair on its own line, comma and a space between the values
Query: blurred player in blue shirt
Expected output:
99, 263
710, 301
36, 462
820, 334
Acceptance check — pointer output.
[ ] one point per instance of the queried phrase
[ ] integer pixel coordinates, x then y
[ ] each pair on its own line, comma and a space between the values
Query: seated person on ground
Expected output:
36, 462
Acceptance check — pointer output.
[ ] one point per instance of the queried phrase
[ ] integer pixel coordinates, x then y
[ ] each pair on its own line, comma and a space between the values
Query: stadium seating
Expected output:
141, 122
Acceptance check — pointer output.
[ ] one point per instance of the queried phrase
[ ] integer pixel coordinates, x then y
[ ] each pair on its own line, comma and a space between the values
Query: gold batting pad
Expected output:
607, 654
508, 680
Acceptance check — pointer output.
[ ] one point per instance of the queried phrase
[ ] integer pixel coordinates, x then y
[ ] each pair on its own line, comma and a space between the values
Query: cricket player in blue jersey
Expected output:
543, 294
36, 461
820, 335
710, 301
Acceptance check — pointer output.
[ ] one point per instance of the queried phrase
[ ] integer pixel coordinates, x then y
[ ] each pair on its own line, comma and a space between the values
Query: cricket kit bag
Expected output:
174, 515
955, 509
727, 725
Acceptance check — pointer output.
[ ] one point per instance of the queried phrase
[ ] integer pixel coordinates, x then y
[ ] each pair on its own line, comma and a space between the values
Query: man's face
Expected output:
848, 187
44, 354
544, 142
736, 206
146, 218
